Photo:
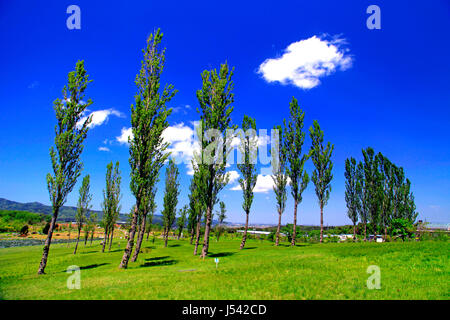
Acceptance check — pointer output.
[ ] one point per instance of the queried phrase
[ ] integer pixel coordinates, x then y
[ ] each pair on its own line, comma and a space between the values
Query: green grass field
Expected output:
410, 270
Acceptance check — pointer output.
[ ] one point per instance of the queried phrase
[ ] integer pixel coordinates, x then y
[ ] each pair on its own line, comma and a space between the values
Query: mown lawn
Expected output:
410, 270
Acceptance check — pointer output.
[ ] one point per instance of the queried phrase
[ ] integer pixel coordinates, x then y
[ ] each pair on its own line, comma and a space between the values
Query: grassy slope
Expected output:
413, 270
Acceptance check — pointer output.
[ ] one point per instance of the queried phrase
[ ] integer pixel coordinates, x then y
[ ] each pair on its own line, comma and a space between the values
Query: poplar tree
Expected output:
372, 186
279, 177
192, 212
181, 221
322, 176
221, 217
351, 195
148, 121
92, 221
363, 196
171, 193
249, 150
215, 99
295, 161
83, 206
111, 202
71, 131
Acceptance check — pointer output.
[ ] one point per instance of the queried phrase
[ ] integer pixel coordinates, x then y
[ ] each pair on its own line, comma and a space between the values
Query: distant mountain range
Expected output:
66, 213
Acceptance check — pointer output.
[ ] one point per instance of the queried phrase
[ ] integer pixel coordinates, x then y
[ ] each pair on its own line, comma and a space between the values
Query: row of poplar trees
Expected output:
148, 154
377, 193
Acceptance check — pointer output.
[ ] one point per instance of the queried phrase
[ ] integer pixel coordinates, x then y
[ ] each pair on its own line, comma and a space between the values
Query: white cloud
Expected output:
182, 141
104, 149
305, 61
99, 117
264, 184
234, 176
125, 133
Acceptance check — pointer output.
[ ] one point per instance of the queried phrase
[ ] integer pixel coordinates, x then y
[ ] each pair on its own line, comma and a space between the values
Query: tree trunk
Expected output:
294, 231
354, 231
129, 247
179, 234
207, 230
86, 236
244, 237
105, 239
166, 237
139, 238
192, 236
78, 239
149, 227
321, 224
277, 240
197, 237
92, 236
68, 239
48, 241
365, 231
385, 233
112, 237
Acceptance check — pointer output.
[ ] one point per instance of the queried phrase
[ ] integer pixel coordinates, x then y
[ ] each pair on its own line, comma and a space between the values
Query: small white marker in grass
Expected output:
216, 260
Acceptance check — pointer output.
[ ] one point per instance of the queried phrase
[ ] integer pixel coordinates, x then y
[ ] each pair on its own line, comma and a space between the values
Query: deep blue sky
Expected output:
395, 97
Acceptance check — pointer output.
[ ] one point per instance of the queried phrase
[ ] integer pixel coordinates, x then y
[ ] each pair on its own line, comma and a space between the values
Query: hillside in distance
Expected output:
66, 213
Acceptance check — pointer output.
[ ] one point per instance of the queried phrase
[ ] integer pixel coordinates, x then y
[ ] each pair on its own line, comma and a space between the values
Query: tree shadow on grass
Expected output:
88, 252
157, 258
158, 263
221, 254
117, 250
248, 248
173, 245
92, 266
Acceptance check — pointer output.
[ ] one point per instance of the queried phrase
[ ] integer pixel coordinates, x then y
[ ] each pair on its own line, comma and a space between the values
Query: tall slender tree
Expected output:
92, 221
293, 144
148, 121
279, 177
83, 206
181, 221
363, 197
322, 176
372, 187
249, 149
171, 193
215, 99
71, 131
351, 196
111, 202
221, 218
192, 213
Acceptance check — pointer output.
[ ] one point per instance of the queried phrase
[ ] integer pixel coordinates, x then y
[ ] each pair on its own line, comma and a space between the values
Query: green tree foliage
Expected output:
279, 177
351, 195
249, 150
293, 141
13, 220
321, 158
147, 148
221, 216
171, 193
181, 221
215, 99
384, 193
111, 202
71, 131
83, 207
